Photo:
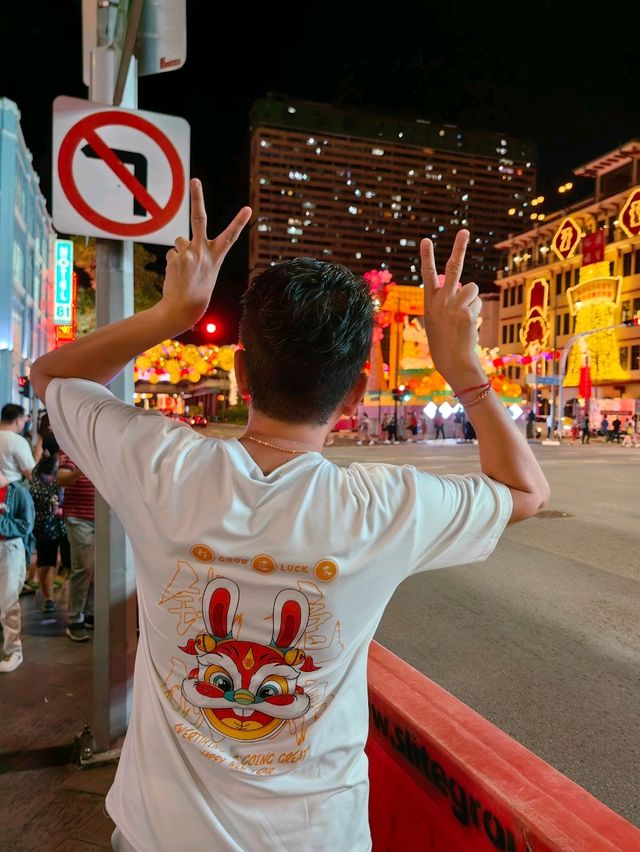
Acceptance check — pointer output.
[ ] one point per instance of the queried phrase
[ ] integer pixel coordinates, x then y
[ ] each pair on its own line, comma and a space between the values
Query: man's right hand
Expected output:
451, 317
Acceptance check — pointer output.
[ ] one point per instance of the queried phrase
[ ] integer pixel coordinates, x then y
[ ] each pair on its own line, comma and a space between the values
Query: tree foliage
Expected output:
147, 283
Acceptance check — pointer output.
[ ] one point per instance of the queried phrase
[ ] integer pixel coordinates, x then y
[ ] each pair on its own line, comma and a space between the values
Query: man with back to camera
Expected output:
244, 733
16, 458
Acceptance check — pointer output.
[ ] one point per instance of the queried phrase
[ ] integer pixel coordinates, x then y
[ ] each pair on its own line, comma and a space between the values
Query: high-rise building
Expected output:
362, 189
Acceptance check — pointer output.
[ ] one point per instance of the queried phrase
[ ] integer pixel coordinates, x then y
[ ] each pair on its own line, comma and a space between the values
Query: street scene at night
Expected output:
341, 554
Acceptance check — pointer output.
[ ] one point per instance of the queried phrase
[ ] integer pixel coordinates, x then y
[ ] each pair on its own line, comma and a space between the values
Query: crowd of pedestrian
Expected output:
411, 427
47, 516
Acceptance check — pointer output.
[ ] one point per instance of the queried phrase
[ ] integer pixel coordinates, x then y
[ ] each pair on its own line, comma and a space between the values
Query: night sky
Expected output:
544, 72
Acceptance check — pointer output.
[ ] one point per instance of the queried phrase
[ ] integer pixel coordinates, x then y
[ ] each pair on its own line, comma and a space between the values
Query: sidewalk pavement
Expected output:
46, 801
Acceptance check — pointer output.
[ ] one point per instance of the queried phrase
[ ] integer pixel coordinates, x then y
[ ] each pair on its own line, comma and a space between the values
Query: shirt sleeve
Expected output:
458, 519
22, 453
115, 445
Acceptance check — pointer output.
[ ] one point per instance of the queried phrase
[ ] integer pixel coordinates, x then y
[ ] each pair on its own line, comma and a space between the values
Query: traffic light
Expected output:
24, 386
401, 393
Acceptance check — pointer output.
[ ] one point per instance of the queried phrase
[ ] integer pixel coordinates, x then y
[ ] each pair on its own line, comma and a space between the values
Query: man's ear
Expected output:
355, 395
240, 369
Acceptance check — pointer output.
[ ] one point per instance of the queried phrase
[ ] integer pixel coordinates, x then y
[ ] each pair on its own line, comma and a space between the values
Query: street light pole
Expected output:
563, 362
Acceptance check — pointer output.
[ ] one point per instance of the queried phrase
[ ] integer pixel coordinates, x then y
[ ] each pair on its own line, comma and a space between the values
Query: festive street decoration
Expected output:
584, 386
629, 217
380, 282
172, 361
523, 360
594, 302
566, 239
410, 352
534, 334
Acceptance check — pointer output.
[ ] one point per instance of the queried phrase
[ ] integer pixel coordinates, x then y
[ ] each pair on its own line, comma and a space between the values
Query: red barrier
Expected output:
445, 779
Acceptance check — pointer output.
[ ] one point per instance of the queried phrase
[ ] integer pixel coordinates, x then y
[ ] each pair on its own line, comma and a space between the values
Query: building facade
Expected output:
362, 189
27, 243
577, 275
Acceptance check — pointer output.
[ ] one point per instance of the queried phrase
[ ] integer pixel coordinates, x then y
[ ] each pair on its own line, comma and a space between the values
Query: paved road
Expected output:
543, 638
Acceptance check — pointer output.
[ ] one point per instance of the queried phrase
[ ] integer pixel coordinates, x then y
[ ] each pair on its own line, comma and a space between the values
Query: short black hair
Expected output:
306, 328
11, 412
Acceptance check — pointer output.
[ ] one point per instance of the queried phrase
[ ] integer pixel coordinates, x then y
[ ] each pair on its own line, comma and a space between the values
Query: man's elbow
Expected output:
527, 504
39, 380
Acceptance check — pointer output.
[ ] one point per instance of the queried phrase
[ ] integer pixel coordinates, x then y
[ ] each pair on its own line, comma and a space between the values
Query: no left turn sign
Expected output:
119, 173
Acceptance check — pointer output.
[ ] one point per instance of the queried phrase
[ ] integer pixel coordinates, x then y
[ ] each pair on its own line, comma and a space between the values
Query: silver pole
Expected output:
115, 636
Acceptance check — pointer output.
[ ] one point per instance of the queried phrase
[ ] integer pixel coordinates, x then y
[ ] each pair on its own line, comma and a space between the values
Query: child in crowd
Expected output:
16, 543
50, 530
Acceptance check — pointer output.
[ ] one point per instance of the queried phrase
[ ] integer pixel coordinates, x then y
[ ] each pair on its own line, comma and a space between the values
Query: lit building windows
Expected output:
290, 181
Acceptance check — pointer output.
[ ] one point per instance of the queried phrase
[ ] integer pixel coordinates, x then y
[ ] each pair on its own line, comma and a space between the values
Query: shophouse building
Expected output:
27, 242
570, 283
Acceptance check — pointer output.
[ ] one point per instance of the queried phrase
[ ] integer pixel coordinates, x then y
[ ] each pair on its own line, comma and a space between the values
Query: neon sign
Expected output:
63, 283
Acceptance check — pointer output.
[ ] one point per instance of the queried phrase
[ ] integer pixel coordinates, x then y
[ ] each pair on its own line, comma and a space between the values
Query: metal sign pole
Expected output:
115, 601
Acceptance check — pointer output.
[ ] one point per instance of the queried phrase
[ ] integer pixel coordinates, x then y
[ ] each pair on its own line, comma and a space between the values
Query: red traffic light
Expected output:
24, 386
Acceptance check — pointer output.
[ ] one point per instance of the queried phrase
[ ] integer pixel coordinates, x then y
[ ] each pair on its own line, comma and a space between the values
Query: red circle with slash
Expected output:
85, 131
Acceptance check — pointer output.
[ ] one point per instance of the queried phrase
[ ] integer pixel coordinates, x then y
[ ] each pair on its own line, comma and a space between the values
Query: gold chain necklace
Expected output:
275, 447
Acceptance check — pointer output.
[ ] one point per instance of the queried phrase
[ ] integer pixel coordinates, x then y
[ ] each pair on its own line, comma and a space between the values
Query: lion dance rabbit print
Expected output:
248, 690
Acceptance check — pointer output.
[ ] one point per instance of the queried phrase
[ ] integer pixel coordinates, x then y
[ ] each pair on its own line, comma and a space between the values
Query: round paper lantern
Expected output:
226, 359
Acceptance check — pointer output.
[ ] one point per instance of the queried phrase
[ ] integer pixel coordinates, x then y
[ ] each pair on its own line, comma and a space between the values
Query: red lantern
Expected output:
498, 362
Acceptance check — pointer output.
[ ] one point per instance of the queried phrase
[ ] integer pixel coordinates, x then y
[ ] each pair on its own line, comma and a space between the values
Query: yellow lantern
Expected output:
194, 376
154, 378
225, 357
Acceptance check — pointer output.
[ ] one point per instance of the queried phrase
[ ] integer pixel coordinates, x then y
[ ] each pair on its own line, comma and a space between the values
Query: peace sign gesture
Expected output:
193, 265
451, 315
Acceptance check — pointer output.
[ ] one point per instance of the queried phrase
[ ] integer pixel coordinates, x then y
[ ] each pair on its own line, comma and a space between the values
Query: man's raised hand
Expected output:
193, 265
451, 315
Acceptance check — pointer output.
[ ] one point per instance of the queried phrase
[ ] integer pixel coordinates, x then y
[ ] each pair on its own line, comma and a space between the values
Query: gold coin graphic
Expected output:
264, 564
326, 570
202, 553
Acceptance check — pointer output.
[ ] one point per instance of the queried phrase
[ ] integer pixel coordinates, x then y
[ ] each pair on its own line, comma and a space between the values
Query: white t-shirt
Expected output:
258, 597
15, 455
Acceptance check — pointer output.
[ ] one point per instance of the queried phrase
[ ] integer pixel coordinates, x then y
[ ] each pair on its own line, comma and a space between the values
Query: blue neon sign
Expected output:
63, 289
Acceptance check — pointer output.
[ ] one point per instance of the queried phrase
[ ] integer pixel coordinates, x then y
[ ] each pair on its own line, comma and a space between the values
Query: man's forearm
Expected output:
504, 453
103, 354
